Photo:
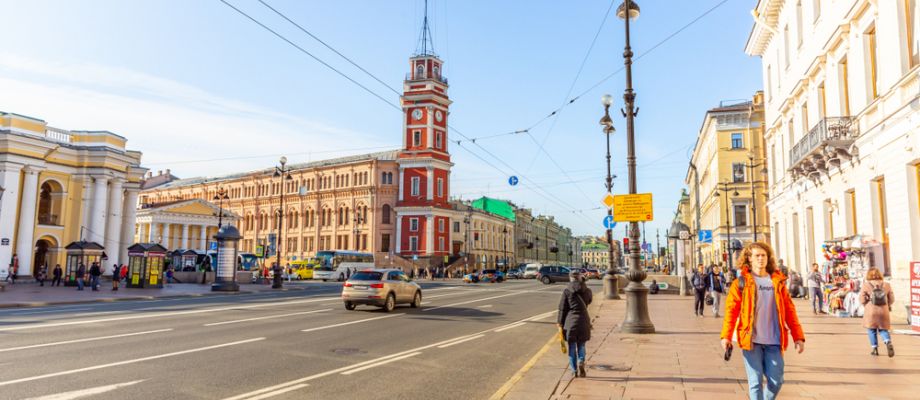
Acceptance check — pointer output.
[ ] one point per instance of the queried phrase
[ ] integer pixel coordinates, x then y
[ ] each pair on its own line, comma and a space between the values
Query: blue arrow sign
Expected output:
609, 223
704, 236
513, 180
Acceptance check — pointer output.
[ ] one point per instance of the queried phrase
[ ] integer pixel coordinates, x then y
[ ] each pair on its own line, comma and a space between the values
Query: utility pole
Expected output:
657, 248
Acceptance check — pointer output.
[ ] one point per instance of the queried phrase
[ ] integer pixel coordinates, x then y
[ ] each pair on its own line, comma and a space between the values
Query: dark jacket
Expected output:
57, 271
716, 283
81, 271
94, 270
573, 312
699, 281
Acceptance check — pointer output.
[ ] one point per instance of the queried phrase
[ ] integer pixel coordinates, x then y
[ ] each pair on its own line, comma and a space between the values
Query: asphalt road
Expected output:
464, 343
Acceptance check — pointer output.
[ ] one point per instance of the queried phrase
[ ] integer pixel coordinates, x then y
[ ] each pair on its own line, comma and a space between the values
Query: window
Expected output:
416, 138
413, 224
415, 186
815, 10
457, 224
822, 105
740, 211
805, 126
882, 217
440, 187
786, 46
737, 140
843, 74
798, 22
441, 225
851, 212
440, 244
436, 71
872, 62
437, 140
769, 82
419, 71
738, 172
913, 39
386, 214
773, 163
385, 242
413, 243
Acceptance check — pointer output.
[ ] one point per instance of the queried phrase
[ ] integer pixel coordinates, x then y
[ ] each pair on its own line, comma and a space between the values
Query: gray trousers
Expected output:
716, 302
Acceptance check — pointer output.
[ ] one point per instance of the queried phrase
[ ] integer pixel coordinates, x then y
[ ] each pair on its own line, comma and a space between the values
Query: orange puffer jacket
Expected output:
739, 311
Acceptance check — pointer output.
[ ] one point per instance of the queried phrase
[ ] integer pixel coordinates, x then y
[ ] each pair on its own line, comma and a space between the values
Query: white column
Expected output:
9, 181
128, 224
96, 228
430, 194
185, 236
87, 203
114, 220
155, 232
203, 238
25, 243
429, 233
402, 182
167, 240
398, 234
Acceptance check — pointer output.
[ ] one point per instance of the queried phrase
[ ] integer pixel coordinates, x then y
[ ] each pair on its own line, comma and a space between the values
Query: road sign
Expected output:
260, 251
513, 180
633, 207
415, 257
609, 223
212, 246
704, 236
608, 200
683, 235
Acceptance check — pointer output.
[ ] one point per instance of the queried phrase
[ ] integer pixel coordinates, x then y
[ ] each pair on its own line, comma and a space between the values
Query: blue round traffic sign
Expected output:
513, 180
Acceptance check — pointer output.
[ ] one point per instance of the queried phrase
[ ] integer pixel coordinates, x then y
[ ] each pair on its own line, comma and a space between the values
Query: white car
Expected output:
530, 271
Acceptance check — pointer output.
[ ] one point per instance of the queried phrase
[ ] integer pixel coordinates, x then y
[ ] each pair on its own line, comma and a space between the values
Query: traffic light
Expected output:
626, 242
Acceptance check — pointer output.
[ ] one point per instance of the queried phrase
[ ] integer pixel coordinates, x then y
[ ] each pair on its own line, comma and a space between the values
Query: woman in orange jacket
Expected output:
760, 308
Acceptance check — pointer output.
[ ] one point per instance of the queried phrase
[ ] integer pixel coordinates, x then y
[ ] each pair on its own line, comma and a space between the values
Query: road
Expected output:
464, 343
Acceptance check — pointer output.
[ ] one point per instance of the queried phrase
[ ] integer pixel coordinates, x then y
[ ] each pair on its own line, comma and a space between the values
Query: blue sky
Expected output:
203, 91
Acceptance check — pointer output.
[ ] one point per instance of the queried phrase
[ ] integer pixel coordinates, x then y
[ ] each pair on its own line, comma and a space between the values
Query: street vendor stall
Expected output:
145, 265
82, 253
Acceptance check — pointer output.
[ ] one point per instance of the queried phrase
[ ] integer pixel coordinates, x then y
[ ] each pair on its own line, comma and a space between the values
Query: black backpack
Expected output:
878, 296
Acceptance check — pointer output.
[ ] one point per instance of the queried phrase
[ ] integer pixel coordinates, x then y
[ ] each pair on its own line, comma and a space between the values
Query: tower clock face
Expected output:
417, 114
438, 115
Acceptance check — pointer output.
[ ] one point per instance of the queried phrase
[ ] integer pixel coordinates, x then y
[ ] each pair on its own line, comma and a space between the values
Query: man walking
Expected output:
116, 276
716, 286
56, 275
13, 270
815, 283
81, 273
94, 273
698, 281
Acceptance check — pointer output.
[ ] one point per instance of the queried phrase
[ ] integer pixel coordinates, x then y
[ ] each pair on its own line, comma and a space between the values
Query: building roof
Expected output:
495, 206
744, 106
389, 155
158, 180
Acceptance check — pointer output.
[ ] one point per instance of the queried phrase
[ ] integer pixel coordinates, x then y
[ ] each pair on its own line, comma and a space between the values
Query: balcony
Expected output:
439, 78
48, 219
825, 146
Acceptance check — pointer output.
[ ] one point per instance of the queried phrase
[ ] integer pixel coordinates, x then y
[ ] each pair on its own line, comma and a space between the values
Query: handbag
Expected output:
709, 299
562, 344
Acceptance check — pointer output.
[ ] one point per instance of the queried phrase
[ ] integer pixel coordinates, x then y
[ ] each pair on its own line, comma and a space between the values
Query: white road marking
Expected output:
49, 311
162, 314
267, 317
279, 391
474, 301
510, 327
350, 323
76, 394
485, 306
543, 316
136, 360
84, 340
59, 308
381, 363
461, 341
363, 363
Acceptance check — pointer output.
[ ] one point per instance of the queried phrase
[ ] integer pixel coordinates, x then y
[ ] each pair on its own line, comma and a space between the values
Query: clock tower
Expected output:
422, 209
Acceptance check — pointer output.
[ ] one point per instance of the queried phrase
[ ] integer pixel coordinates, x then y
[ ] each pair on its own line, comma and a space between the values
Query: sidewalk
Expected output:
683, 360
32, 295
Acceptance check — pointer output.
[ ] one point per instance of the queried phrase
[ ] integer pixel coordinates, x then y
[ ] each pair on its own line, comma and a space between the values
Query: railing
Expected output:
47, 219
58, 135
441, 79
834, 128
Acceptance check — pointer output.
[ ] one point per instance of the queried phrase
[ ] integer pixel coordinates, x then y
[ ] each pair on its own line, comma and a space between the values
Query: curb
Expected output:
503, 391
135, 298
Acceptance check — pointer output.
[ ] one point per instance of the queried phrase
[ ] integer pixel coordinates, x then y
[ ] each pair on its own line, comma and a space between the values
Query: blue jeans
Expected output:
79, 283
576, 354
817, 296
764, 361
873, 338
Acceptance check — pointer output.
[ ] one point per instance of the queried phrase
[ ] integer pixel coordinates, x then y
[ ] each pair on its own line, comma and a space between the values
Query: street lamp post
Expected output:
724, 187
285, 175
637, 319
611, 282
505, 247
750, 164
220, 197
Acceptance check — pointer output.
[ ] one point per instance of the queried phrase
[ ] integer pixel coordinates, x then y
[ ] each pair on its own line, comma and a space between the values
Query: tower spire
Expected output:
425, 42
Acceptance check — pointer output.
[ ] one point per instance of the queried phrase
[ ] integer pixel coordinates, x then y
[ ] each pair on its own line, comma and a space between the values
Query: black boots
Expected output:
582, 373
874, 351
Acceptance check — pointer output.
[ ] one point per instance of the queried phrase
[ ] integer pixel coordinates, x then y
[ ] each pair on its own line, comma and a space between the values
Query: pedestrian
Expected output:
698, 281
169, 276
716, 285
42, 275
815, 289
123, 274
653, 289
13, 270
81, 273
877, 297
758, 307
115, 277
574, 320
795, 285
783, 268
56, 275
94, 273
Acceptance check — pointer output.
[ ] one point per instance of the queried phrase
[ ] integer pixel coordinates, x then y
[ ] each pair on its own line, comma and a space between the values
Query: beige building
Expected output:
729, 157
487, 237
59, 186
596, 253
540, 239
183, 224
338, 204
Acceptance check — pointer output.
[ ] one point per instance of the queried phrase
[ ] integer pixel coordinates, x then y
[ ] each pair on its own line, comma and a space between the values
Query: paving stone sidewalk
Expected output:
683, 360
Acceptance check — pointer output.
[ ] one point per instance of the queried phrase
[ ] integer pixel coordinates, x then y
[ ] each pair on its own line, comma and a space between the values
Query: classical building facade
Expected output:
595, 253
540, 239
486, 236
346, 203
182, 224
59, 186
842, 85
729, 157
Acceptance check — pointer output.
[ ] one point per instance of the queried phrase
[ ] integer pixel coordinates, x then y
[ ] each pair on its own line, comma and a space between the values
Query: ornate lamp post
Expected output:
611, 282
763, 172
220, 197
637, 319
724, 187
285, 175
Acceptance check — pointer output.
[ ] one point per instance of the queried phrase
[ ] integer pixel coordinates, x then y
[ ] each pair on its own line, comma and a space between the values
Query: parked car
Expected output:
591, 273
491, 275
531, 270
515, 274
552, 274
383, 288
471, 277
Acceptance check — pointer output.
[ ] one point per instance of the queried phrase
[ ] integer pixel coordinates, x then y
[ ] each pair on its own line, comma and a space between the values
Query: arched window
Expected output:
385, 218
436, 72
419, 71
49, 203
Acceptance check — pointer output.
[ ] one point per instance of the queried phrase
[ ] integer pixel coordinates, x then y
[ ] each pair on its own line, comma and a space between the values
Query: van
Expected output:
530, 270
303, 269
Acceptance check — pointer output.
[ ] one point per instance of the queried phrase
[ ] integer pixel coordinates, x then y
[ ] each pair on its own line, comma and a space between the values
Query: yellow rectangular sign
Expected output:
632, 207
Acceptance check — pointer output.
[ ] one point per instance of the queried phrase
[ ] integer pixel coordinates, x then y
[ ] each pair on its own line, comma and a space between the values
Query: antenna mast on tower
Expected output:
425, 42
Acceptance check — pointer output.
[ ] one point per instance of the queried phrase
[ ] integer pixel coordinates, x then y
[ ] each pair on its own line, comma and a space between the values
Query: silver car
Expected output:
382, 288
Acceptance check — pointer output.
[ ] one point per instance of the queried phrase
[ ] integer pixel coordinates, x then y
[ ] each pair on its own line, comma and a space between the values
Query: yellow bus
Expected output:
303, 269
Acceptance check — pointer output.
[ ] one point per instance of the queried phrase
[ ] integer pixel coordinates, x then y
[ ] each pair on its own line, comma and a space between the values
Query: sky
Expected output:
203, 91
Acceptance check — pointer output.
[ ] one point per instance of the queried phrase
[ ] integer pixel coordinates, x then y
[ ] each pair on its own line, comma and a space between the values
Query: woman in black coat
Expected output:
574, 320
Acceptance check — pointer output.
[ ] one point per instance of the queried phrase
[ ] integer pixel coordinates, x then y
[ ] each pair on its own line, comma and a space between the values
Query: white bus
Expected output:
339, 264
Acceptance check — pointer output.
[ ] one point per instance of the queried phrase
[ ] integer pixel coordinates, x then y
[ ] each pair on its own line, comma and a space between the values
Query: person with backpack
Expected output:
716, 286
877, 297
759, 309
698, 281
574, 320
815, 283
